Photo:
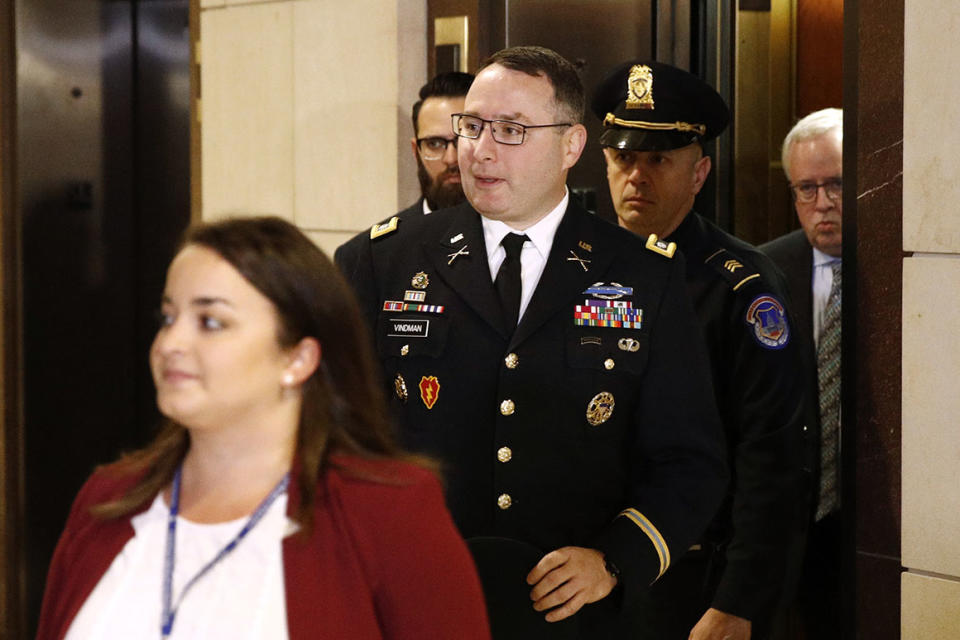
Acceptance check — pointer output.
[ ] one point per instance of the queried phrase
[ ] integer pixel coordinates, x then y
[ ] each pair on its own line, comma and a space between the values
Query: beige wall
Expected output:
304, 110
931, 324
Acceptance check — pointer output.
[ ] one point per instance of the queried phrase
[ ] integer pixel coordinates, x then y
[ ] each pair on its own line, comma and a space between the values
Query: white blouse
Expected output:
242, 596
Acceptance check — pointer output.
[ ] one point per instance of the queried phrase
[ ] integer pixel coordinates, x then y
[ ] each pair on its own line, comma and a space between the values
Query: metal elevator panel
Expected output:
599, 34
595, 34
103, 165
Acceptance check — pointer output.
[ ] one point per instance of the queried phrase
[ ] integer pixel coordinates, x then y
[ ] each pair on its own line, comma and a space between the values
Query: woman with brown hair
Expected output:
274, 503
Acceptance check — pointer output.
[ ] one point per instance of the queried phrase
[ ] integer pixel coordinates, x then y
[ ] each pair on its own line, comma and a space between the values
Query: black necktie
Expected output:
507, 282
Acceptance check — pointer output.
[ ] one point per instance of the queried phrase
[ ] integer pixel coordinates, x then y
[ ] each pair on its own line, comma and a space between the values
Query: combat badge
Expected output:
400, 387
640, 87
769, 321
420, 280
600, 408
429, 390
612, 291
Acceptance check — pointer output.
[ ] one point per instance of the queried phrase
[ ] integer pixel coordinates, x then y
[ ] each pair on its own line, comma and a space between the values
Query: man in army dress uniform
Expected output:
656, 118
559, 376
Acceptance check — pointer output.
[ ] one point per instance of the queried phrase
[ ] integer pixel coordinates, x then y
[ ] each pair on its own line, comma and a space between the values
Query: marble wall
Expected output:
304, 110
931, 318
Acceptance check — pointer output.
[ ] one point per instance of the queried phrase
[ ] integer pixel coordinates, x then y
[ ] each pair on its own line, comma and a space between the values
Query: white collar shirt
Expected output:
533, 256
822, 282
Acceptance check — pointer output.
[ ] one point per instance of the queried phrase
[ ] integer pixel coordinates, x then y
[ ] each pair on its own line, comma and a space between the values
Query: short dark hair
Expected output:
561, 73
451, 84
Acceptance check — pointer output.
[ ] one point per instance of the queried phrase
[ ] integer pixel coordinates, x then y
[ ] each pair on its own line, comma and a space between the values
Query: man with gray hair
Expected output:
812, 262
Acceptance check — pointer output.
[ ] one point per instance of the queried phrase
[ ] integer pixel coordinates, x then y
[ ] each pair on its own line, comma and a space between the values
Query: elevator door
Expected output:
103, 165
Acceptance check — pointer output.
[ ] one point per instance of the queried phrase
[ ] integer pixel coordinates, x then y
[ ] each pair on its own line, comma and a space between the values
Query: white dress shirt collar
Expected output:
533, 257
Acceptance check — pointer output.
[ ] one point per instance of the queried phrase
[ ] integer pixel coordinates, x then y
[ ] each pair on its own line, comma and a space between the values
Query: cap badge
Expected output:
640, 87
429, 390
420, 280
600, 408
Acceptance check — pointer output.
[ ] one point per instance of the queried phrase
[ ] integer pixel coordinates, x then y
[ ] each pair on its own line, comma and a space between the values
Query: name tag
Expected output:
403, 328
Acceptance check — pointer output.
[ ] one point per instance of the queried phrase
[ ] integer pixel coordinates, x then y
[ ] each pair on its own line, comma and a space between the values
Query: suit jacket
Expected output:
793, 254
383, 559
553, 433
760, 385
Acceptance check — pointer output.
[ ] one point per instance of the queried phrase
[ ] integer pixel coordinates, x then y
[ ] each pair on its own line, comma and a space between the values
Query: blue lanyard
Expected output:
170, 610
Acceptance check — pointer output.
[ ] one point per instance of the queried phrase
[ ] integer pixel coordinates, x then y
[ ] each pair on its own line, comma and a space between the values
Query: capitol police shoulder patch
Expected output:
768, 319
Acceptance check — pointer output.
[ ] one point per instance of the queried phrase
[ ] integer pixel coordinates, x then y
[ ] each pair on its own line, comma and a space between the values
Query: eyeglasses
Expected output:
806, 192
434, 147
503, 131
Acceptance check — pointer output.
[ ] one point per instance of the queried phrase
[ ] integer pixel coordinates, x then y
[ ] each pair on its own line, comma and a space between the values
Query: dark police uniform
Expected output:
739, 566
558, 433
760, 387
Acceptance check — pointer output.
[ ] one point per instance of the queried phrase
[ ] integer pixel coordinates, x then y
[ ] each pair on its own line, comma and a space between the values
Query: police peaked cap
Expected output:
651, 106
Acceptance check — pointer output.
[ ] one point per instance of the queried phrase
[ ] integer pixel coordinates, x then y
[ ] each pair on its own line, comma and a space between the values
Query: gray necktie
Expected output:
828, 376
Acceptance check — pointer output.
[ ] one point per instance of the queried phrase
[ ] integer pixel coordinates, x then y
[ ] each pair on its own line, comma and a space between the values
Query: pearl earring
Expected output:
288, 379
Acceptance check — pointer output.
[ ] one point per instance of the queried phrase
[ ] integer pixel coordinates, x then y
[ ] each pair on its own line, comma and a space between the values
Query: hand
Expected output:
717, 625
571, 577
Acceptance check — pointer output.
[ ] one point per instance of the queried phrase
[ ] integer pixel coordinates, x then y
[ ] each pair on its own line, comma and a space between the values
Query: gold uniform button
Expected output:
504, 501
405, 349
511, 361
609, 364
504, 454
507, 407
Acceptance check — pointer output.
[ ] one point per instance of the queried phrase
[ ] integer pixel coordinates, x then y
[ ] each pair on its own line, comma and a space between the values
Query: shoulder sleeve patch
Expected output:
768, 319
385, 228
731, 269
657, 245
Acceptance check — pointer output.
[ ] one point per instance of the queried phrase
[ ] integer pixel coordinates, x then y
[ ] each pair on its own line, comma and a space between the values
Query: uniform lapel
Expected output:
467, 274
564, 277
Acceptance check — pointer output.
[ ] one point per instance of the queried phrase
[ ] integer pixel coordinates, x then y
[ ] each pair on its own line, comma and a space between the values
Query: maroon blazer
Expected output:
383, 559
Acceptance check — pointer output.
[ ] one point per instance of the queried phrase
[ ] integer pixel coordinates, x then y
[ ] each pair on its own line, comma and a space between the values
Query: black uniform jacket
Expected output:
350, 251
793, 254
554, 434
761, 385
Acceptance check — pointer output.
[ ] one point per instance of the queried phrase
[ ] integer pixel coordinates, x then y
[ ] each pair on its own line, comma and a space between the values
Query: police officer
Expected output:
656, 119
551, 361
